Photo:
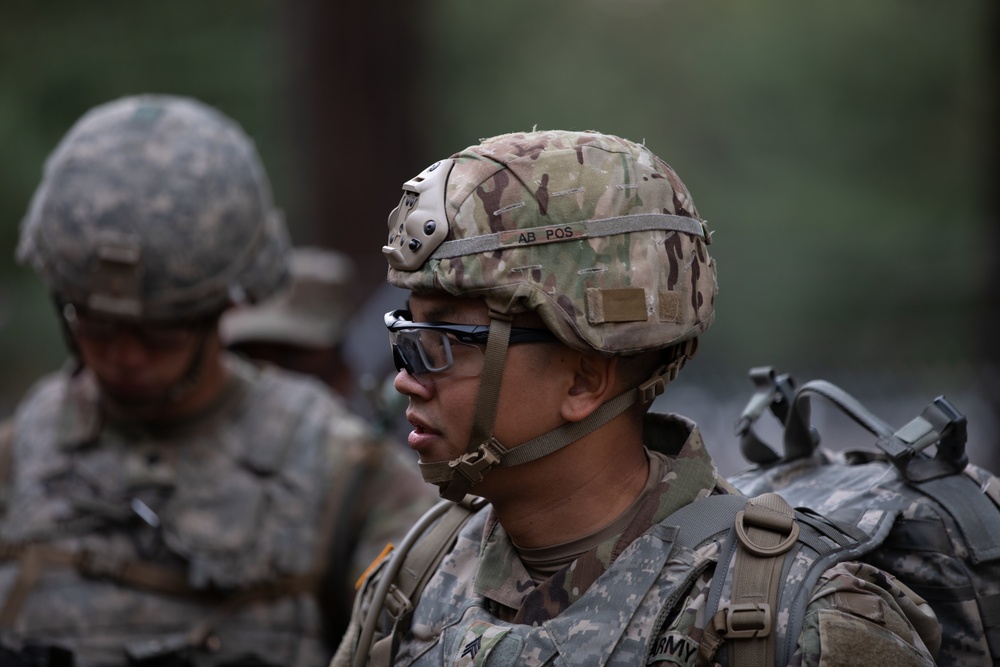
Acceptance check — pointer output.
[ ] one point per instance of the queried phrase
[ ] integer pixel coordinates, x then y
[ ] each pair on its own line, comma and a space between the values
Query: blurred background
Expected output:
845, 154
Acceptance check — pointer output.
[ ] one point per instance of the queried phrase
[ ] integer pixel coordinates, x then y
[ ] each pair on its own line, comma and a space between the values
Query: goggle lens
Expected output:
431, 356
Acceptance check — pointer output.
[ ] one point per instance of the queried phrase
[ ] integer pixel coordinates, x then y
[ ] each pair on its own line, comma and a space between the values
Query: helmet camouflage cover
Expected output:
594, 232
155, 208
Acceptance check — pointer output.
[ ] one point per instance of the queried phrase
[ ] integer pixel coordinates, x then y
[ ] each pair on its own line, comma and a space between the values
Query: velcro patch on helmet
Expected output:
117, 278
616, 305
670, 307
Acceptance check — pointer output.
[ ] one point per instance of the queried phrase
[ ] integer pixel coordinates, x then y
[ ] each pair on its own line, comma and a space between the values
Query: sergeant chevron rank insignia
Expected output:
477, 642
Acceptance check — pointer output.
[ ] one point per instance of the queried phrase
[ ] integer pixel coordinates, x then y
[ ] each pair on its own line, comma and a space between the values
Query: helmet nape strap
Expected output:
474, 464
569, 433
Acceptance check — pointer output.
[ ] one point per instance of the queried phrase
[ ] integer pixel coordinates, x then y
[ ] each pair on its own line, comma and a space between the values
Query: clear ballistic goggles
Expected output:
434, 351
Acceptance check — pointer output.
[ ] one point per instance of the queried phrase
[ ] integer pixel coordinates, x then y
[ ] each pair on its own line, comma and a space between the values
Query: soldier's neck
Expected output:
574, 492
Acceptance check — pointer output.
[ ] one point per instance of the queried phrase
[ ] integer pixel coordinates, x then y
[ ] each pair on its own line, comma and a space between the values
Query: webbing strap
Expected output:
566, 434
460, 474
799, 439
489, 387
989, 610
140, 575
133, 573
771, 391
705, 518
624, 224
412, 564
976, 515
558, 438
766, 530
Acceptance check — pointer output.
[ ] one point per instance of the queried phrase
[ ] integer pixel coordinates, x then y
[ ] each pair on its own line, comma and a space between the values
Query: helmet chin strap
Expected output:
456, 478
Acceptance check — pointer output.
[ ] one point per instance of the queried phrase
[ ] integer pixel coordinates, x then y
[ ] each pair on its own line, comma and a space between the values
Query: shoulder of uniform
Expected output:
280, 412
857, 603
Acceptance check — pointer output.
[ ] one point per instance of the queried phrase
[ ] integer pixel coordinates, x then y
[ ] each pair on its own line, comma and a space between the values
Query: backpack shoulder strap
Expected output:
409, 569
766, 530
763, 539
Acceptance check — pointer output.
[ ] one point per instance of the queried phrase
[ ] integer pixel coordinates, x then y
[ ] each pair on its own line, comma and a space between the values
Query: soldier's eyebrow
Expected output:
443, 312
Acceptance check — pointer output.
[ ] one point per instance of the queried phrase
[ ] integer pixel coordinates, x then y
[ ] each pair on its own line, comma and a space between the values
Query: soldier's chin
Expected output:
133, 397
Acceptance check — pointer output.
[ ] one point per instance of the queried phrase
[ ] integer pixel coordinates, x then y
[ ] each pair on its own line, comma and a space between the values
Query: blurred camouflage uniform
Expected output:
205, 539
301, 328
601, 239
313, 312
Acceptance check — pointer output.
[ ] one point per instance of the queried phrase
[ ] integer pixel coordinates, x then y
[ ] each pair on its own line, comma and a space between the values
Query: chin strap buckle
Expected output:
473, 465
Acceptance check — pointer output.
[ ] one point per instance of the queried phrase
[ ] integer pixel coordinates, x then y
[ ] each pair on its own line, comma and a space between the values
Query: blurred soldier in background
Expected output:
301, 328
170, 504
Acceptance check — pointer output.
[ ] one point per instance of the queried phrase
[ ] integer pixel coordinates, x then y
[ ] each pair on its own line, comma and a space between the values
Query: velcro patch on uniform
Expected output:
673, 648
859, 604
616, 305
537, 235
841, 634
479, 639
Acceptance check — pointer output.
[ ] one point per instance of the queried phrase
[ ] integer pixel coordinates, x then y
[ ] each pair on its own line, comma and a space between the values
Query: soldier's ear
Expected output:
593, 385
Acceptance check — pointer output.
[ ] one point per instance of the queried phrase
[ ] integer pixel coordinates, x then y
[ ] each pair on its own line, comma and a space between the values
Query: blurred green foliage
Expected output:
838, 150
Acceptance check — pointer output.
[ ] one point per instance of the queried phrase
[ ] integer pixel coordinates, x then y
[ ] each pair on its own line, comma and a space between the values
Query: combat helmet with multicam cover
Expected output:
593, 232
155, 208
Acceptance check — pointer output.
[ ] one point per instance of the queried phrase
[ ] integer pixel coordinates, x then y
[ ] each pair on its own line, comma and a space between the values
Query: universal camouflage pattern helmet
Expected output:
594, 232
155, 208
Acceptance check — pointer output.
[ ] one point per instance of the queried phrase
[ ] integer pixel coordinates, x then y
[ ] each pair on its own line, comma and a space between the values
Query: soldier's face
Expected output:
138, 365
535, 377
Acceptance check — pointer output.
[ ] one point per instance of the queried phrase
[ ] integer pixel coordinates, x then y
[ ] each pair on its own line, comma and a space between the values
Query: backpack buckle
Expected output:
748, 621
397, 605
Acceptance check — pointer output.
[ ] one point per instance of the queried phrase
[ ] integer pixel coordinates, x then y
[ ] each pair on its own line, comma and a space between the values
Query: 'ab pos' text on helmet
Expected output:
155, 208
593, 232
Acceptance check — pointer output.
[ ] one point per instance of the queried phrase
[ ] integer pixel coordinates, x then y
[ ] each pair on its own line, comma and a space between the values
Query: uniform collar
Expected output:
689, 474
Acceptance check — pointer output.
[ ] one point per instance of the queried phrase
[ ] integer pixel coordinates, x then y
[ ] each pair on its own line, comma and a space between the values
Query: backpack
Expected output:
760, 537
945, 541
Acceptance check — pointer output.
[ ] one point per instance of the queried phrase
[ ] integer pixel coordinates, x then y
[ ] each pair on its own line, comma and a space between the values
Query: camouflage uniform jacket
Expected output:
229, 501
634, 599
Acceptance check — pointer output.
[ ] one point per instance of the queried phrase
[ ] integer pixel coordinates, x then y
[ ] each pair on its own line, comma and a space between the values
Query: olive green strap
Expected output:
483, 451
411, 567
766, 529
